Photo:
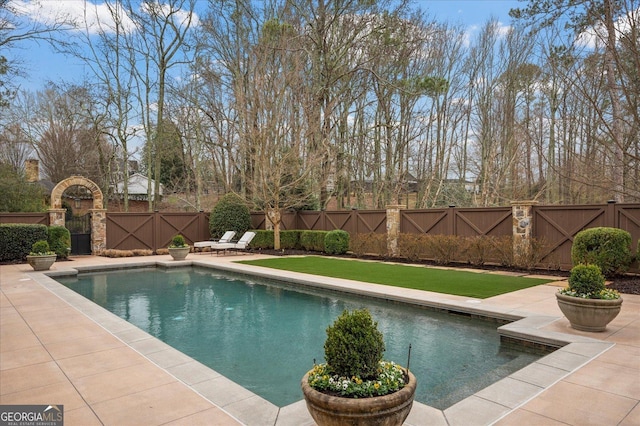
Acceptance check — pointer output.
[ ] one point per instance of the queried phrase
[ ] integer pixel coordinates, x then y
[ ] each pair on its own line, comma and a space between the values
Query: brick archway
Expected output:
98, 214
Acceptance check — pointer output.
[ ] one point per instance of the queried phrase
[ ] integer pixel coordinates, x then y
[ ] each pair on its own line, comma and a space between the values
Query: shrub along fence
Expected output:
544, 232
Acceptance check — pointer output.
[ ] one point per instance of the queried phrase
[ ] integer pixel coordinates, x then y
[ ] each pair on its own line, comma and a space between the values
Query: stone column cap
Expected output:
525, 203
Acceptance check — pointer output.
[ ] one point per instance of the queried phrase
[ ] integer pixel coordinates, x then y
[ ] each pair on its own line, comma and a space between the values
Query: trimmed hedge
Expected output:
312, 240
262, 240
609, 248
290, 240
59, 240
336, 242
16, 239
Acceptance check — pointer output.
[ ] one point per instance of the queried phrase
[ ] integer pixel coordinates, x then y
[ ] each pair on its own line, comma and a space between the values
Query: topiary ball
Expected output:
609, 248
354, 345
586, 280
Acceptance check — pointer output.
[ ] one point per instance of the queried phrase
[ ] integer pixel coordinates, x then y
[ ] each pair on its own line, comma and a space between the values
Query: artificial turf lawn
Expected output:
461, 283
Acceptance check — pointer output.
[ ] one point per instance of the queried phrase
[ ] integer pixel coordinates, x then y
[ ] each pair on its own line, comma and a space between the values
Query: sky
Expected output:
41, 64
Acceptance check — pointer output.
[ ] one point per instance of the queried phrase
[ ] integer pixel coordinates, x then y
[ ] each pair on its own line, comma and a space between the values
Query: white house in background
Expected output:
137, 187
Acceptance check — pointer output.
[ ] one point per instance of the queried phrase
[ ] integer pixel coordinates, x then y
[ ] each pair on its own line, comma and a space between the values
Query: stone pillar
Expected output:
56, 217
522, 214
98, 230
393, 228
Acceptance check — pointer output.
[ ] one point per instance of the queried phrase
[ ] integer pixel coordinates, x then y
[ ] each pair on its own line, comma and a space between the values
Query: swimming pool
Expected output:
265, 335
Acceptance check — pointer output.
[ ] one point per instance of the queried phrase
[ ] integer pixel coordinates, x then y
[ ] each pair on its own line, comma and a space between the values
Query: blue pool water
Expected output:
265, 335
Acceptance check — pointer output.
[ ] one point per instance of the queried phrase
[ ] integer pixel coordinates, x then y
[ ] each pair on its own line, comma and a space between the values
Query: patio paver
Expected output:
105, 371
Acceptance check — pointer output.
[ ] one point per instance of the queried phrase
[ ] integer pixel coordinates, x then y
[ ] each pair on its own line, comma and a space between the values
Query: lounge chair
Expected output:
226, 238
242, 243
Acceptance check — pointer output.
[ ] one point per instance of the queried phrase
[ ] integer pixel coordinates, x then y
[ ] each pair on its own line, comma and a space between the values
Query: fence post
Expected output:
98, 230
522, 214
393, 228
56, 217
610, 215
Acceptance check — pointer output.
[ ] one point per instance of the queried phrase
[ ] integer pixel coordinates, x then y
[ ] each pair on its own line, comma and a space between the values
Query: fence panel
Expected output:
310, 220
556, 226
129, 231
36, 218
258, 220
627, 217
431, 221
192, 226
490, 221
370, 221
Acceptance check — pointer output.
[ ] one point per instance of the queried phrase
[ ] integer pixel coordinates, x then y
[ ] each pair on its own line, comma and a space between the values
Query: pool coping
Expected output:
484, 407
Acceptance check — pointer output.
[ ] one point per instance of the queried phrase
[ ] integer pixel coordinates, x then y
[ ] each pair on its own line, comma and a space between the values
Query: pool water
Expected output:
265, 335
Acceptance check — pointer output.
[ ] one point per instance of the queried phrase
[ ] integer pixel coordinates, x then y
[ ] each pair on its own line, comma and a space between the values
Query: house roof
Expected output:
138, 184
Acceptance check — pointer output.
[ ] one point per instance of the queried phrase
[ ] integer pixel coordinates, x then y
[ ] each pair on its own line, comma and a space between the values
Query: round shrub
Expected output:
336, 242
354, 345
586, 280
609, 248
178, 242
59, 240
40, 247
230, 214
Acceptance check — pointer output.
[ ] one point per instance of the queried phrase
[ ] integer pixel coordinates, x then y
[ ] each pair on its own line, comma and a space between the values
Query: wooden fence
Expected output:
555, 226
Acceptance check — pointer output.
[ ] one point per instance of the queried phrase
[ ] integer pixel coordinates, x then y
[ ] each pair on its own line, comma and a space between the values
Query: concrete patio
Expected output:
58, 348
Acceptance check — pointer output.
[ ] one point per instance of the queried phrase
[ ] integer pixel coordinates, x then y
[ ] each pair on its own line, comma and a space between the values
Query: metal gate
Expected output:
80, 229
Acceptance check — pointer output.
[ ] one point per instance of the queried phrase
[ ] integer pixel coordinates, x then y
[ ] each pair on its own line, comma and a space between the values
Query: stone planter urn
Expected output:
387, 410
588, 314
41, 262
179, 253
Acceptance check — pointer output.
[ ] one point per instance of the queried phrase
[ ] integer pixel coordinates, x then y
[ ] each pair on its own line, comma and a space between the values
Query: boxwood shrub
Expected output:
59, 240
586, 280
336, 242
262, 240
229, 214
312, 240
290, 239
609, 248
16, 239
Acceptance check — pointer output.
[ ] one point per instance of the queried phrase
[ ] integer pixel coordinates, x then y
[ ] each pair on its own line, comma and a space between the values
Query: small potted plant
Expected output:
355, 386
178, 249
41, 257
586, 302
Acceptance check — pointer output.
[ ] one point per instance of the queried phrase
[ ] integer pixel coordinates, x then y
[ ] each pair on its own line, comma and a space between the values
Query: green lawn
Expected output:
462, 283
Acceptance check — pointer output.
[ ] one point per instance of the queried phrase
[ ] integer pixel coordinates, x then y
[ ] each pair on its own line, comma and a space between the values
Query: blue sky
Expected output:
41, 63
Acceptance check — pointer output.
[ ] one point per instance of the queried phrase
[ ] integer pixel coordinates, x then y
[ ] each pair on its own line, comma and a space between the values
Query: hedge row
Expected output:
16, 240
338, 241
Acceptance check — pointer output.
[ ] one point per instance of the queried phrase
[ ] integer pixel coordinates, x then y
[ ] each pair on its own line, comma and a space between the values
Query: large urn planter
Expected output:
387, 410
41, 262
588, 314
179, 253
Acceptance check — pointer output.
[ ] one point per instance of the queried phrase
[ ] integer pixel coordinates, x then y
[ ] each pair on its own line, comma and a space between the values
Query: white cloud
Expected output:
79, 15
87, 15
596, 36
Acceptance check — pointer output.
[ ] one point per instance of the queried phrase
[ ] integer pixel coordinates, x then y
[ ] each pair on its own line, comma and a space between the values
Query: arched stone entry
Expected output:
98, 214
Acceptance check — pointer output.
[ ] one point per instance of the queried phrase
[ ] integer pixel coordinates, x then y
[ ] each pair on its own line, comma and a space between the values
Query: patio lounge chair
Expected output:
242, 243
226, 238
